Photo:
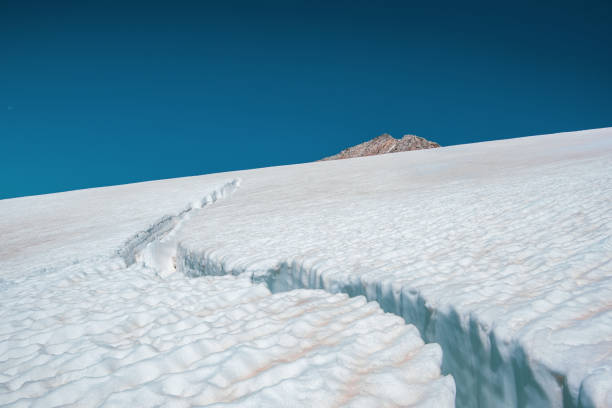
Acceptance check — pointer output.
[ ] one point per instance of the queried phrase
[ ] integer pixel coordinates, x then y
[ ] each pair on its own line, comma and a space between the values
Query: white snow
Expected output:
500, 252
100, 334
99, 319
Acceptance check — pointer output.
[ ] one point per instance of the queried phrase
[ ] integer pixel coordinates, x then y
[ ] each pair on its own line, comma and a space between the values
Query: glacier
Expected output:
474, 275
93, 314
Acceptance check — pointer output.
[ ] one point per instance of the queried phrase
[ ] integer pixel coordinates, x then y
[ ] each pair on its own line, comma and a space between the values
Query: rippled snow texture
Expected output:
103, 334
85, 329
499, 251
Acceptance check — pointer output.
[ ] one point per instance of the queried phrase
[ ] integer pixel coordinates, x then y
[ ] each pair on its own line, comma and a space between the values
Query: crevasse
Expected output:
156, 246
488, 371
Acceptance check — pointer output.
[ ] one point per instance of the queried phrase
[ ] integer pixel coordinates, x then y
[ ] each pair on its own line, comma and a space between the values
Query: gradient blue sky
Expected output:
102, 93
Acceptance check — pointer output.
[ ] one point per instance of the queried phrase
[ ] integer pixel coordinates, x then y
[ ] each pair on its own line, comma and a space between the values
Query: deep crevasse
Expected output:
488, 371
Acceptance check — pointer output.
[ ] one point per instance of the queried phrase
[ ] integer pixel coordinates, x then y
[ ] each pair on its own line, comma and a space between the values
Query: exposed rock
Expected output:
383, 144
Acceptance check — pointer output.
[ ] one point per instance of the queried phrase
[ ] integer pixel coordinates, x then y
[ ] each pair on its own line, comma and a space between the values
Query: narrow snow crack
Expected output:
156, 246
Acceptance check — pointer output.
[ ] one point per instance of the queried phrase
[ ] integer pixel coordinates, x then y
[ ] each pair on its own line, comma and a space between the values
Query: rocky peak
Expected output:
383, 144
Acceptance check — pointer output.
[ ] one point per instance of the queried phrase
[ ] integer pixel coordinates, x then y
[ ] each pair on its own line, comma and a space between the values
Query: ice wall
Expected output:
490, 369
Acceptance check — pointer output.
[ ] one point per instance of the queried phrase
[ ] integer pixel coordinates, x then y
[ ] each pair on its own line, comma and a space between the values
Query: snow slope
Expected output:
499, 252
88, 317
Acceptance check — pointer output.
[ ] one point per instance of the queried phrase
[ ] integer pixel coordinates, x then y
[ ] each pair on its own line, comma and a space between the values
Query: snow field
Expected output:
500, 252
123, 329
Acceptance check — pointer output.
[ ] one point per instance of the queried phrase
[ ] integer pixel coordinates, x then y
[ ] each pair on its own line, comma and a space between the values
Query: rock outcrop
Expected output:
383, 144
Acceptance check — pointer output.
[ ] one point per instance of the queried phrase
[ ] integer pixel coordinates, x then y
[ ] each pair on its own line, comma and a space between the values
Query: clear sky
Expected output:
102, 93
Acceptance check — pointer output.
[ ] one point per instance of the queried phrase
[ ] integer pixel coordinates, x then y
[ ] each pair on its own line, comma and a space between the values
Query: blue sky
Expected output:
103, 93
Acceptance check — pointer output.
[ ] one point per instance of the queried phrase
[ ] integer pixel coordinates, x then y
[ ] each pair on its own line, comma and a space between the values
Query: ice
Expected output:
500, 252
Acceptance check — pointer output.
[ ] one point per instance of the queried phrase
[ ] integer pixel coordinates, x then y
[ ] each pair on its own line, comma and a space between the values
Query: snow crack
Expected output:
481, 364
156, 246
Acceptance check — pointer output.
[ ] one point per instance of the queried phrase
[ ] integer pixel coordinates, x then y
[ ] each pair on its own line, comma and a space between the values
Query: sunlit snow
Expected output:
500, 252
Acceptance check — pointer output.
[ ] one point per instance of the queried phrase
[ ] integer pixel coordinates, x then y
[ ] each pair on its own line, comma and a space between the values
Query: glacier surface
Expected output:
499, 252
92, 315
